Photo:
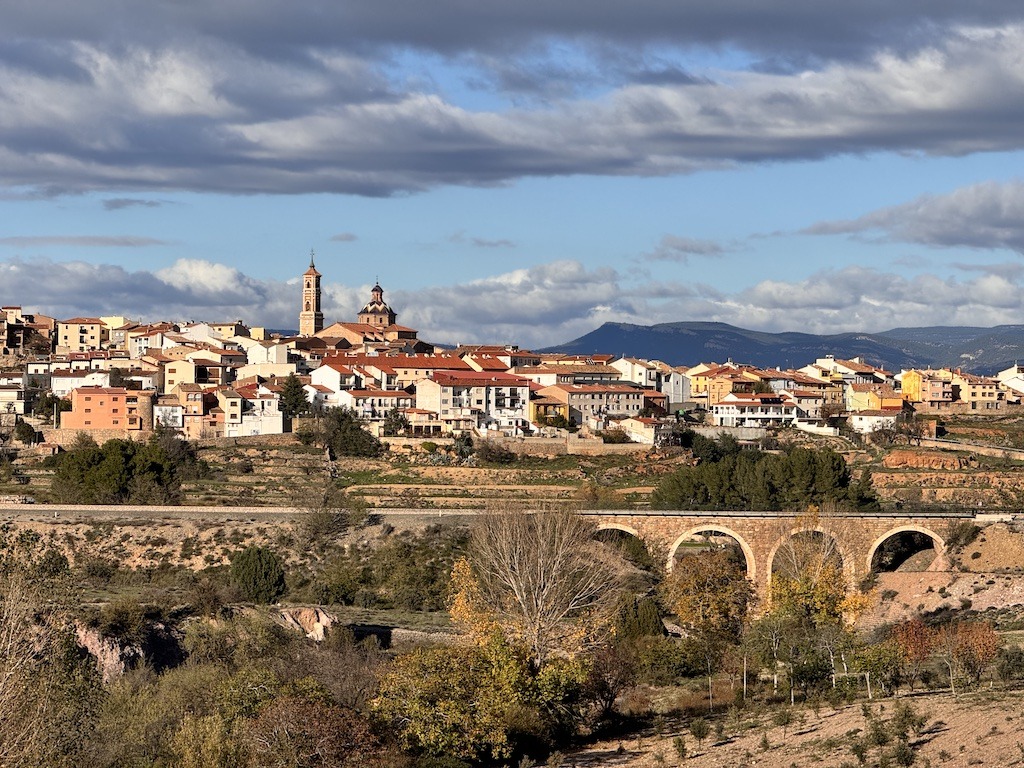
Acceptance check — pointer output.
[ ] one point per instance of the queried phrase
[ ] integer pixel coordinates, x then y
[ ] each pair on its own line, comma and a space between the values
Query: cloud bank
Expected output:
241, 98
543, 305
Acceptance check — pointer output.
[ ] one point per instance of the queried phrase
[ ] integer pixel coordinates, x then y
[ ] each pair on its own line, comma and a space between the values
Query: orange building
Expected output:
109, 408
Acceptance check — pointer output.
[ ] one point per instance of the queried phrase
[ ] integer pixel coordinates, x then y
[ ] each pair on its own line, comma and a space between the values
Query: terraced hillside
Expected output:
290, 474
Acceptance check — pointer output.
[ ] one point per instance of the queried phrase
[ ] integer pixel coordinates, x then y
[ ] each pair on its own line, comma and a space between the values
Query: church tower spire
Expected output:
311, 318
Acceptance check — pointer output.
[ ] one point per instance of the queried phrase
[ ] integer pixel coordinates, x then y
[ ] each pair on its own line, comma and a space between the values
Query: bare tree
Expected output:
544, 578
44, 699
21, 713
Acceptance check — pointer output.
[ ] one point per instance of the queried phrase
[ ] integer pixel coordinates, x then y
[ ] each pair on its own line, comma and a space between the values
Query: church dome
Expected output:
376, 311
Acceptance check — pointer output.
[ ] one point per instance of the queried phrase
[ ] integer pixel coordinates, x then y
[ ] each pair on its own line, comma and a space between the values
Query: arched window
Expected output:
307, 306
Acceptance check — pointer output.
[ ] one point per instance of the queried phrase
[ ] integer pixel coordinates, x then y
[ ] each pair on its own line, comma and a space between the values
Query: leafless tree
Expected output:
21, 711
545, 578
46, 692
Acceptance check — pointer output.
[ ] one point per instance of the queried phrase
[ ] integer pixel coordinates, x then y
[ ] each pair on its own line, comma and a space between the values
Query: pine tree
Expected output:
293, 397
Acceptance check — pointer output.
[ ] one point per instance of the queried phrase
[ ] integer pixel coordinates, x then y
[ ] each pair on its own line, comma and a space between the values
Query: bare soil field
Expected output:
984, 728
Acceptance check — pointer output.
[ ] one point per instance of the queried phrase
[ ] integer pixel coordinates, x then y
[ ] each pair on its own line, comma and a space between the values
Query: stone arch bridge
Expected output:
761, 534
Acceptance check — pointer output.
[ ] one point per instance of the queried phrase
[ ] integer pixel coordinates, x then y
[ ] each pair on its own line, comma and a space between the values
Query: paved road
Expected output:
38, 511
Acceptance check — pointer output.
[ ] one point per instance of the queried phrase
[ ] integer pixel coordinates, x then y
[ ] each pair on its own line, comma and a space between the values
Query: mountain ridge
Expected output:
976, 349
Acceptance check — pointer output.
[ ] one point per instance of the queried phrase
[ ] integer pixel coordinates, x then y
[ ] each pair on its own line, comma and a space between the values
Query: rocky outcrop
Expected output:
900, 459
113, 657
312, 621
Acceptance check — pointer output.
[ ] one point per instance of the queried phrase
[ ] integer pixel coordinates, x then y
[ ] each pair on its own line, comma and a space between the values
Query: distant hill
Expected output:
980, 350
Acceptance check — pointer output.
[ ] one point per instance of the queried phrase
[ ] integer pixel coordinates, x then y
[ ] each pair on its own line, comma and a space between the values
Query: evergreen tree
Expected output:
259, 574
293, 397
395, 423
344, 435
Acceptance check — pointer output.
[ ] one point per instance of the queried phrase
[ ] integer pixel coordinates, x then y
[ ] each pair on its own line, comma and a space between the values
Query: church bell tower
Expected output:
311, 319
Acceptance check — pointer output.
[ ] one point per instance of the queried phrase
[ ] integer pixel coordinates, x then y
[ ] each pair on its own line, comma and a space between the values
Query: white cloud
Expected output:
985, 216
540, 306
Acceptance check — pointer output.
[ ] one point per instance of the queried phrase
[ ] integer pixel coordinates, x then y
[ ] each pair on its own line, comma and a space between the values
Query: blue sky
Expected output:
518, 172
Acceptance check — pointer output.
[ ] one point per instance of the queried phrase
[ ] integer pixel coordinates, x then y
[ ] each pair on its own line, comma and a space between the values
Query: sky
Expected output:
516, 172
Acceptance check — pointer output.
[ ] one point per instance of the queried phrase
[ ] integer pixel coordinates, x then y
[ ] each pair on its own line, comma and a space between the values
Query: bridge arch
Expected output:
619, 527
939, 543
848, 564
748, 552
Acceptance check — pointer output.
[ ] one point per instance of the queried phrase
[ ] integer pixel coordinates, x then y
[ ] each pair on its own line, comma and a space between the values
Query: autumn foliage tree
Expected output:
966, 648
808, 578
710, 592
454, 701
916, 642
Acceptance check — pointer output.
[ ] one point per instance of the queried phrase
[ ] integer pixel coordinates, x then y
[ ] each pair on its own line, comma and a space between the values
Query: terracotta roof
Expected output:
478, 379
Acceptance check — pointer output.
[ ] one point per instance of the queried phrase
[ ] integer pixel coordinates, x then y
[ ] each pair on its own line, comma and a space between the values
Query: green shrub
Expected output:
615, 436
428, 447
259, 574
960, 533
493, 452
24, 432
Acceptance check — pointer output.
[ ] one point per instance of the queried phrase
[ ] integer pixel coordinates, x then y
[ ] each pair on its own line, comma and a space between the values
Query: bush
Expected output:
428, 446
343, 433
615, 436
24, 432
558, 421
494, 453
53, 563
306, 435
960, 533
258, 572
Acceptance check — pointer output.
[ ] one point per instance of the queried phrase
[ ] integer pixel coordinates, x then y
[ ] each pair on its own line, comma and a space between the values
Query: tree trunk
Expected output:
744, 677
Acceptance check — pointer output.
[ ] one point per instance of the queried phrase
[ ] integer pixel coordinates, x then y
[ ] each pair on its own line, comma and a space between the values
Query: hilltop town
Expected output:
113, 377
919, 467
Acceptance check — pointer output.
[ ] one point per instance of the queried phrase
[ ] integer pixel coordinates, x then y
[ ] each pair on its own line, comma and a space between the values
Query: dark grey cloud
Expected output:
82, 241
680, 249
344, 237
244, 97
984, 216
449, 27
120, 203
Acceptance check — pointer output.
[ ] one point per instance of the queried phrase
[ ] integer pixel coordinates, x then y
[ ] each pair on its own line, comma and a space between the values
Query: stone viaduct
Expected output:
761, 534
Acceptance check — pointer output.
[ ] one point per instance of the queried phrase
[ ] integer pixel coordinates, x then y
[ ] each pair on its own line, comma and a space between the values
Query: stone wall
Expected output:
287, 438
66, 437
983, 450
